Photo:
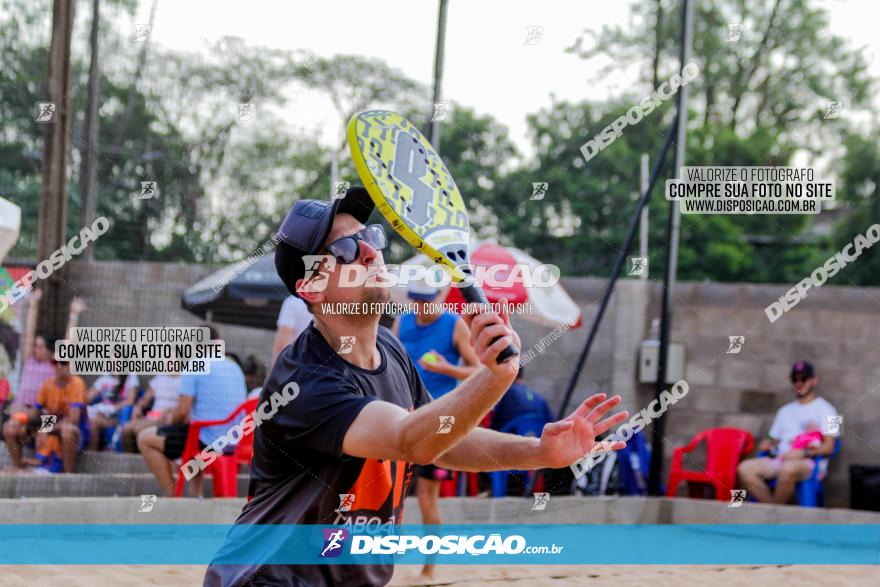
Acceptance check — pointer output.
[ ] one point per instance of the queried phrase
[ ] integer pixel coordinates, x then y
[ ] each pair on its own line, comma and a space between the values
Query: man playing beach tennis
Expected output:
341, 451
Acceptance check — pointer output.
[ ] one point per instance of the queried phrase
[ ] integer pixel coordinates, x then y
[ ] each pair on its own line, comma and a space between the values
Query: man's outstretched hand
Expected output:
573, 437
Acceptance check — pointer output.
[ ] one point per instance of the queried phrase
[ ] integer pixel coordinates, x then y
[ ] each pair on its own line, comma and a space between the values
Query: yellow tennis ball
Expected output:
429, 357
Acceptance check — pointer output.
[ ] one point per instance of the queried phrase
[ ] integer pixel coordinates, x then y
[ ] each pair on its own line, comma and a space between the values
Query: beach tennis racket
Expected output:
416, 194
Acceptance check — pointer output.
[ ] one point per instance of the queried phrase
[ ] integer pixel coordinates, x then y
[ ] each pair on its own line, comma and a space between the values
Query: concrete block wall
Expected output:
833, 327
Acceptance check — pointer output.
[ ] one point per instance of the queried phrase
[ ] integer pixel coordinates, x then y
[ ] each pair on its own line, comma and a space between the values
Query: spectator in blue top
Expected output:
439, 344
212, 396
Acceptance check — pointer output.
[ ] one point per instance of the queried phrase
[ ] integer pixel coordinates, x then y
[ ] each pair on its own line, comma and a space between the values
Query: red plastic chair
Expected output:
724, 448
224, 469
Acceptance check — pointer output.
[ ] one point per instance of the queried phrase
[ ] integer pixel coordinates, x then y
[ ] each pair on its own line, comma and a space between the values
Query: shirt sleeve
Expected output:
320, 415
827, 412
188, 385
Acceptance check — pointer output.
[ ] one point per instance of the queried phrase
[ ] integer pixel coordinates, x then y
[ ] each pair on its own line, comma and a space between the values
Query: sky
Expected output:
485, 45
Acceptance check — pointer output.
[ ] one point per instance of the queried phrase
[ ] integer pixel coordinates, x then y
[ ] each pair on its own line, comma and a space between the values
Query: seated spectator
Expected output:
212, 396
62, 396
519, 401
254, 375
37, 366
795, 438
157, 406
106, 397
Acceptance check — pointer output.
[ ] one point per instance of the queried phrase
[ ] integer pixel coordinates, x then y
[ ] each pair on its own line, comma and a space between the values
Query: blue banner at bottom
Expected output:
446, 544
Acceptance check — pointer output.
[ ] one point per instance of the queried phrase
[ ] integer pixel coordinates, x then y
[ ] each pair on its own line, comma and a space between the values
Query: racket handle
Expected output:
474, 295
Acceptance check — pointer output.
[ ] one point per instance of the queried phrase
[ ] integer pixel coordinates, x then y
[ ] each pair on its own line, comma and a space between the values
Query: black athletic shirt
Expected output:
299, 471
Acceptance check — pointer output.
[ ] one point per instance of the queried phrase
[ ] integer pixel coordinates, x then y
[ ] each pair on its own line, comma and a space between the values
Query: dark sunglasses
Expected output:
799, 379
348, 248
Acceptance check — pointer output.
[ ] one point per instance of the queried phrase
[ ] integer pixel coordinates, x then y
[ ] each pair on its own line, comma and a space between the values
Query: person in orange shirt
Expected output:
64, 397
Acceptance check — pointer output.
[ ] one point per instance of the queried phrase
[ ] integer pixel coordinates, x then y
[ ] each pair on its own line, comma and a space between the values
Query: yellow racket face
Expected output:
411, 186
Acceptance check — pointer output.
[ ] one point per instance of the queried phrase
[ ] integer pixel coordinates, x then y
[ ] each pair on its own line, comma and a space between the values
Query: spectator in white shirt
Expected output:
789, 441
293, 319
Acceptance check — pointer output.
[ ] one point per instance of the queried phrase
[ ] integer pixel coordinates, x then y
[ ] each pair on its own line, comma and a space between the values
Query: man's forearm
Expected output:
427, 433
488, 450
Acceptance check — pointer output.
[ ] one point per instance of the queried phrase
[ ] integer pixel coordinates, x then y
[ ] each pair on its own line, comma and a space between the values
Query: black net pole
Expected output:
659, 423
618, 265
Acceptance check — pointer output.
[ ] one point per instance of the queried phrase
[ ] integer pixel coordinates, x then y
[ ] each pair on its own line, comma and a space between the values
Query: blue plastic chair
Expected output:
809, 492
528, 425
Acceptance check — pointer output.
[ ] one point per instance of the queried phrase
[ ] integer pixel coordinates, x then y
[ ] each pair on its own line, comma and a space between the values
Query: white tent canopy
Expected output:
10, 224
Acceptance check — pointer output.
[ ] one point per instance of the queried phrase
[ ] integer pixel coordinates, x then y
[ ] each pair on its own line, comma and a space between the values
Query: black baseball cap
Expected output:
803, 370
306, 227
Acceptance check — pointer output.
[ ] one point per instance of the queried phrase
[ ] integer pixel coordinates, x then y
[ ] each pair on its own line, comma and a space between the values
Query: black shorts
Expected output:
175, 439
433, 472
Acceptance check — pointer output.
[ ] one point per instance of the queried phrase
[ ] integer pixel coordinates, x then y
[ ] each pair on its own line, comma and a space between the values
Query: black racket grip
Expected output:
474, 295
